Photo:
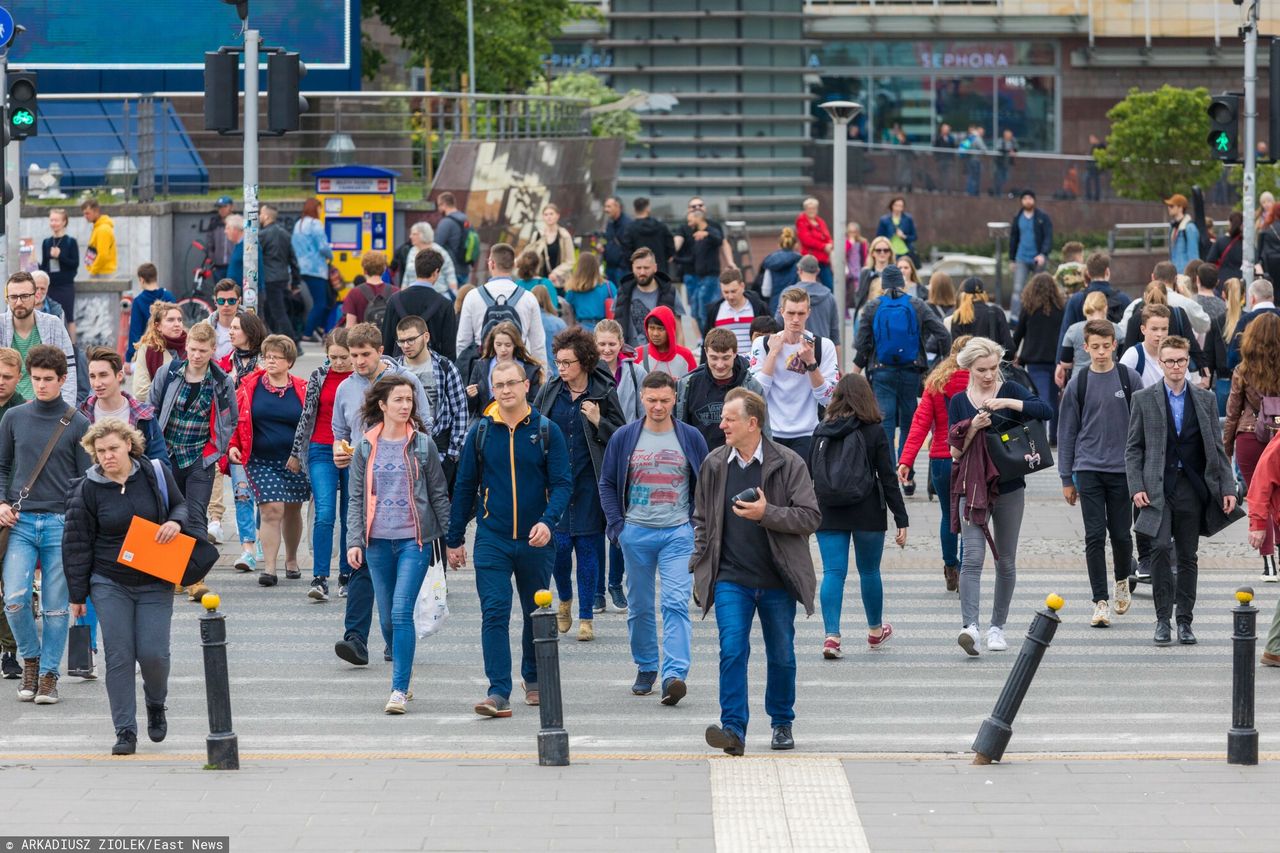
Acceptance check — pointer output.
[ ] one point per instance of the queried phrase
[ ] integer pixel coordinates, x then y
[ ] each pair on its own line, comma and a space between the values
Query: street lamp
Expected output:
841, 113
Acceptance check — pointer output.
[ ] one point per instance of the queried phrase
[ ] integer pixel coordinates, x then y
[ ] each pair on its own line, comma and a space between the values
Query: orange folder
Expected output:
141, 551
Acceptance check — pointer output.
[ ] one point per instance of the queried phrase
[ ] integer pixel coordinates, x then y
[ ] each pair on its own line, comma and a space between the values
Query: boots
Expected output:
586, 631
952, 576
564, 616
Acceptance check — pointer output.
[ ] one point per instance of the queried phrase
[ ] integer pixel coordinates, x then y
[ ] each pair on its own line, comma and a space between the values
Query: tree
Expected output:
1158, 143
512, 36
589, 87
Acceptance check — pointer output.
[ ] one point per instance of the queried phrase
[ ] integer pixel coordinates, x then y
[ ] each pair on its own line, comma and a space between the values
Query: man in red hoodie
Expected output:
661, 352
1264, 510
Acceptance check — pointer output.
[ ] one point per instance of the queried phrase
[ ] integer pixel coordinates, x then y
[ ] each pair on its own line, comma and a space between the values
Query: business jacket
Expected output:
1144, 454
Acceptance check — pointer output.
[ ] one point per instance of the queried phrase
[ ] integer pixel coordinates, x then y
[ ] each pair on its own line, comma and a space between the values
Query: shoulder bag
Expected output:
1018, 448
63, 423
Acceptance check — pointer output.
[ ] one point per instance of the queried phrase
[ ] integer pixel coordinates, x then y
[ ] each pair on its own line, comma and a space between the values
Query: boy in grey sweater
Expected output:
1094, 413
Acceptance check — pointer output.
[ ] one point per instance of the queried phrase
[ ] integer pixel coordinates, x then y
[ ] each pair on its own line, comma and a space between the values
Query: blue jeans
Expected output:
358, 618
940, 474
1022, 272
735, 607
37, 539
329, 489
896, 390
1042, 374
319, 289
700, 290
1222, 390
397, 567
242, 492
824, 275
587, 549
973, 175
653, 552
497, 561
868, 546
616, 565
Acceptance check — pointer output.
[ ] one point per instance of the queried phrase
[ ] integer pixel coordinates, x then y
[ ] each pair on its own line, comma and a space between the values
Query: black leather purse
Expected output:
1018, 448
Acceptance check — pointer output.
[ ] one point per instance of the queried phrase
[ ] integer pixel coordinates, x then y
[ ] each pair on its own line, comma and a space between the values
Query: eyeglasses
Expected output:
697, 207
21, 297
273, 356
1175, 362
881, 251
227, 300
563, 364
404, 341
502, 386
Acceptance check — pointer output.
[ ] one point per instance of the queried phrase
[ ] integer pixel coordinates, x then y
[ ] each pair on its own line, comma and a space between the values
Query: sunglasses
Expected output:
881, 251
227, 300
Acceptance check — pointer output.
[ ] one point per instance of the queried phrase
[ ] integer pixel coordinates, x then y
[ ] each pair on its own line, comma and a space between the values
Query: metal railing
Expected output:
404, 131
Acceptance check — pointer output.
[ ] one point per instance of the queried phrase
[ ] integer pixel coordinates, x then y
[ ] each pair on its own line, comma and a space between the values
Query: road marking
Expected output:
784, 805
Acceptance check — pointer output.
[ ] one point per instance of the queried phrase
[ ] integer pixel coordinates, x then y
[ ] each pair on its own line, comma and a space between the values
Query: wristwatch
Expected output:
810, 368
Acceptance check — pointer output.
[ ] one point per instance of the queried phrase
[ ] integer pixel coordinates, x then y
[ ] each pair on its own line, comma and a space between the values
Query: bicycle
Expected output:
197, 305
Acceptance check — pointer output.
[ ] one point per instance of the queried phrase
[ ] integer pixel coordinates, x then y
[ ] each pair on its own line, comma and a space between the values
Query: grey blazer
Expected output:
1144, 453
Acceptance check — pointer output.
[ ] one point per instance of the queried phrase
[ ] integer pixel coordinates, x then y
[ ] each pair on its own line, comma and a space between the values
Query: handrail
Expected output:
324, 93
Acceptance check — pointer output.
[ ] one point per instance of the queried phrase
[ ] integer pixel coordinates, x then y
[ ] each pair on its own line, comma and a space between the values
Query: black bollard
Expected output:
1242, 740
996, 730
223, 746
553, 740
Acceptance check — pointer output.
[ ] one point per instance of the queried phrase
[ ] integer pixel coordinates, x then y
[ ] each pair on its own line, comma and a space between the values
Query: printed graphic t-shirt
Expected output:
658, 490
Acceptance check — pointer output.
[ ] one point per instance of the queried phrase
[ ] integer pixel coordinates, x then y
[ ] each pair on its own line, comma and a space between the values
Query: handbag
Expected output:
25, 491
79, 653
1018, 448
432, 607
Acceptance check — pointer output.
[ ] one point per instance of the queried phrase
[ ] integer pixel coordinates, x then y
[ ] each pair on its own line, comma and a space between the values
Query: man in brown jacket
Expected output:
752, 556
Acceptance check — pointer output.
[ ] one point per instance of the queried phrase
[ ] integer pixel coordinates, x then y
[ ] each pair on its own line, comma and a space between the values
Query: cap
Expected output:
972, 284
808, 263
1177, 200
224, 200
891, 278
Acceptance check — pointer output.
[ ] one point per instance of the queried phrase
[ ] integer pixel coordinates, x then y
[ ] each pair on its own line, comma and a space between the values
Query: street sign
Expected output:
6, 27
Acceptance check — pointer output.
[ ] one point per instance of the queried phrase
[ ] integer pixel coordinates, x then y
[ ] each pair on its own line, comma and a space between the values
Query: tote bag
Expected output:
1018, 448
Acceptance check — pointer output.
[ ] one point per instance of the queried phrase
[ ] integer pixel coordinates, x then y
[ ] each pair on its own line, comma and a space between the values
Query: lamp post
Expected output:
841, 113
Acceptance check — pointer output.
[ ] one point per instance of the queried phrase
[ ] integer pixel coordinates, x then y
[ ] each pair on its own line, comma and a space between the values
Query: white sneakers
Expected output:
995, 640
1123, 597
1101, 614
968, 640
395, 705
215, 532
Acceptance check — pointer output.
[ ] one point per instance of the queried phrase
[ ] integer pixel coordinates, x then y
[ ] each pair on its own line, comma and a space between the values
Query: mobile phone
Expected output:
746, 496
808, 336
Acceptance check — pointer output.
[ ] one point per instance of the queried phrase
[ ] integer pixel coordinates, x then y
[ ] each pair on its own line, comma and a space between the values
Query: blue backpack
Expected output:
897, 330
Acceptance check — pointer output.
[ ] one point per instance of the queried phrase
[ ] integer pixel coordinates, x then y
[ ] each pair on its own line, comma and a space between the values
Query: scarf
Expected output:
243, 362
155, 357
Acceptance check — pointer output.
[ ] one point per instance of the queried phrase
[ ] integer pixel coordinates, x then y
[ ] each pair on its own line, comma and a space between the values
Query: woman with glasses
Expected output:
270, 403
879, 256
313, 449
503, 344
164, 340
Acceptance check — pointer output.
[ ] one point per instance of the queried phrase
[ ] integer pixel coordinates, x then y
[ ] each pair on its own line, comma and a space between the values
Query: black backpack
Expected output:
842, 473
500, 309
1125, 385
376, 304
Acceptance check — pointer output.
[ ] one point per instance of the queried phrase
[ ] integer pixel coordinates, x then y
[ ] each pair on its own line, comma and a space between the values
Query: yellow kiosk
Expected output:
358, 206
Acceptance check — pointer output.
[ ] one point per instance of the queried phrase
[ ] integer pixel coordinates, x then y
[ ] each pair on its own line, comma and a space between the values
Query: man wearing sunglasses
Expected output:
226, 301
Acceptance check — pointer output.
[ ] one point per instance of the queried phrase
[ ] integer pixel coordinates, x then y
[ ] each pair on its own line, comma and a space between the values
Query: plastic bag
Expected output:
432, 607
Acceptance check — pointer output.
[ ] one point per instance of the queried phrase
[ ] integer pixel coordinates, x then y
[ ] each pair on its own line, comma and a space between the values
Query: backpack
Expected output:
503, 311
376, 308
469, 246
897, 330
1124, 385
1268, 419
842, 474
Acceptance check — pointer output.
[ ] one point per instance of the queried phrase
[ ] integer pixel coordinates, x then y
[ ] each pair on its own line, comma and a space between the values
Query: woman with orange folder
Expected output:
134, 609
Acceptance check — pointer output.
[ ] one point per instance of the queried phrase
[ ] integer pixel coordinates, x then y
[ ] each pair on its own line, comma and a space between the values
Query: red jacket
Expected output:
1264, 490
931, 416
242, 438
814, 238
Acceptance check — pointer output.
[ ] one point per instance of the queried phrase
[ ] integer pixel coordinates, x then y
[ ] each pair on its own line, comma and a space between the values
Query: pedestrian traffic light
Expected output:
22, 104
1224, 123
284, 103
221, 92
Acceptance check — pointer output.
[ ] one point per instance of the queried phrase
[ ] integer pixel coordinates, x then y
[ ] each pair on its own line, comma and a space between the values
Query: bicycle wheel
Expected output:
194, 310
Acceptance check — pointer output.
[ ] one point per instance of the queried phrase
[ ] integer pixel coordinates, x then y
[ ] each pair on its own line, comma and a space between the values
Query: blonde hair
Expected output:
610, 327
1095, 302
462, 296
941, 375
585, 276
787, 239
152, 336
113, 426
976, 350
11, 357
965, 310
871, 251
911, 265
1233, 293
544, 299
204, 333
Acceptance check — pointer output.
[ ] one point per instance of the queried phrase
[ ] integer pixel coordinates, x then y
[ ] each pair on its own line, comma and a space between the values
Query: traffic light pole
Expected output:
4, 155
251, 271
1250, 32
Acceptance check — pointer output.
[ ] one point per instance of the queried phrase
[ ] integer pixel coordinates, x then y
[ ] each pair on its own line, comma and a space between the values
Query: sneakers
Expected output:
831, 648
1101, 615
157, 725
9, 666
586, 631
1123, 597
886, 631
126, 742
343, 580
246, 562
644, 683
493, 706
30, 679
968, 640
257, 551
673, 690
47, 692
532, 696
995, 640
395, 705
319, 590
215, 532
352, 651
564, 616
597, 606
951, 575
619, 598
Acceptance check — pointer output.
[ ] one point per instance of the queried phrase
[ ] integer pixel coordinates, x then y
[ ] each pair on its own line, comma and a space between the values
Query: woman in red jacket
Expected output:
946, 380
815, 239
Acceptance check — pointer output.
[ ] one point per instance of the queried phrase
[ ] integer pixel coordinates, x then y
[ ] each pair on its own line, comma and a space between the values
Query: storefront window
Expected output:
964, 101
1025, 105
902, 103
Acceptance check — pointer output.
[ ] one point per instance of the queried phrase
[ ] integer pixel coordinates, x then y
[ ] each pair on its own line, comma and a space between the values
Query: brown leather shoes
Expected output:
1269, 659
952, 576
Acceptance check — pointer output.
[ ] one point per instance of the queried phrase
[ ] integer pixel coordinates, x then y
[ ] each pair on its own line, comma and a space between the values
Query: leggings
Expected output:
1005, 523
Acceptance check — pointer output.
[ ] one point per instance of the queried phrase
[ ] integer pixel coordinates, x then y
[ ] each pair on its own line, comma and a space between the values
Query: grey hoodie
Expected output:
349, 400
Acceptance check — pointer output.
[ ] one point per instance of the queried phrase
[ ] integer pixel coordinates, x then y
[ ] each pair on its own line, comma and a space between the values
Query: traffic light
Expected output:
22, 113
284, 103
1224, 123
221, 92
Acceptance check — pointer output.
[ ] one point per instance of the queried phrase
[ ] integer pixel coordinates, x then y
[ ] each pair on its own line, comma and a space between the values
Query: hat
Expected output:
224, 200
891, 278
1177, 200
809, 264
973, 284
1028, 192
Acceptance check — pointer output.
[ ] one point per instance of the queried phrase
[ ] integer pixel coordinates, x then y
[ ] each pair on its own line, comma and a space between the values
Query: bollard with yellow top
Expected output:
1242, 739
553, 740
222, 744
997, 729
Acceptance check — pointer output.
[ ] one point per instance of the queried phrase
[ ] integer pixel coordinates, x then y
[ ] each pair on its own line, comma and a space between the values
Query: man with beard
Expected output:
640, 292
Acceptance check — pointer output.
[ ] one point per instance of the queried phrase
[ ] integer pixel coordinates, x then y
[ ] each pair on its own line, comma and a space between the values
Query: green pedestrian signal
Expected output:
23, 118
1221, 142
1224, 127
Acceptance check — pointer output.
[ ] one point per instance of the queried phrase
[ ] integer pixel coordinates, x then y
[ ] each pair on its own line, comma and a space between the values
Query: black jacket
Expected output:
434, 309
713, 308
869, 514
700, 257
600, 390
700, 399
988, 322
1036, 337
616, 255
99, 513
484, 394
279, 263
1228, 255
68, 261
622, 307
652, 234
1042, 228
